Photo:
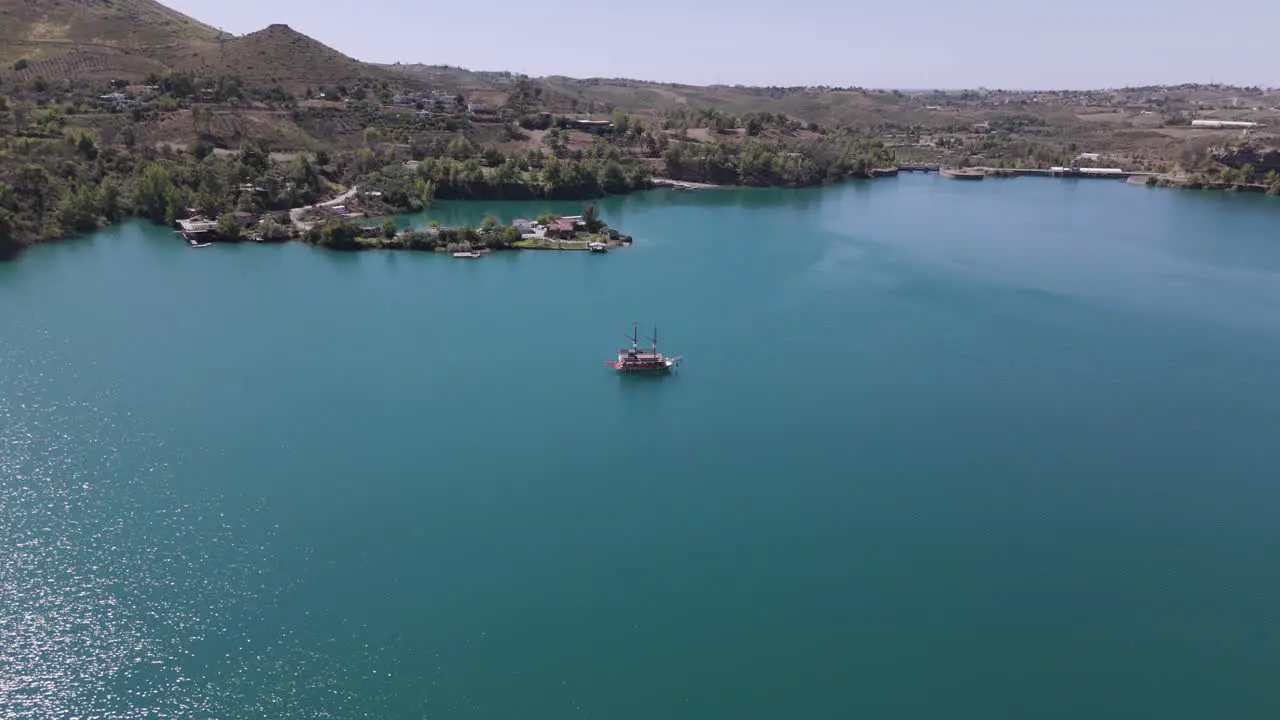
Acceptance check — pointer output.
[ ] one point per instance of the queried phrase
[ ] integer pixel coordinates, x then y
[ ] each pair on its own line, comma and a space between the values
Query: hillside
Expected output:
222, 114
279, 55
98, 38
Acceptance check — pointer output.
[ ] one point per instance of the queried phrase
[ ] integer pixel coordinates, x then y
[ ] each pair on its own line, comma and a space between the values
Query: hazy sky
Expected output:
890, 43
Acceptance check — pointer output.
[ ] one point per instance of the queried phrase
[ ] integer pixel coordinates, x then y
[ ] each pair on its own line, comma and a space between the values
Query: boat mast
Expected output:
655, 338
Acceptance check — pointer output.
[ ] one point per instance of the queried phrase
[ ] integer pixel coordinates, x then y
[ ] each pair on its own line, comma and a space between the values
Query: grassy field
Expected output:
578, 242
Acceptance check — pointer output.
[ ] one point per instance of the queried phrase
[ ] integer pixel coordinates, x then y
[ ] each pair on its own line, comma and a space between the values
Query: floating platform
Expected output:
192, 241
962, 173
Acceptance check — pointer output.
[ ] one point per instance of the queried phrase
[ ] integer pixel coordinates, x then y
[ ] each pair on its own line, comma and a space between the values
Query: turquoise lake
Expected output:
1005, 449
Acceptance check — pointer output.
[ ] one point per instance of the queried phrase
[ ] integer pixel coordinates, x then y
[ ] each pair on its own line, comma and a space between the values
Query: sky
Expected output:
1024, 44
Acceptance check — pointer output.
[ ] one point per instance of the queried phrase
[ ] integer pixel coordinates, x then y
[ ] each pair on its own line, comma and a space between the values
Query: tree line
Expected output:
338, 234
522, 177
798, 164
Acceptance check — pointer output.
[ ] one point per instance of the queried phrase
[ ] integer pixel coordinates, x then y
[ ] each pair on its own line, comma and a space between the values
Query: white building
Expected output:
1223, 124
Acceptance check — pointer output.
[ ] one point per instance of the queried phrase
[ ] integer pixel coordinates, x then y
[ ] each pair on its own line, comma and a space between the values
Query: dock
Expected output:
197, 226
681, 184
1057, 171
962, 173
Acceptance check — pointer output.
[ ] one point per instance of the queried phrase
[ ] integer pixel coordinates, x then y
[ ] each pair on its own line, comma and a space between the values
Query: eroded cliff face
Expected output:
1262, 154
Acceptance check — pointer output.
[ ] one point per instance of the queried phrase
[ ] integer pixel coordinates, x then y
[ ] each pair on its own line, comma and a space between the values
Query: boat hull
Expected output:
634, 361
639, 370
650, 368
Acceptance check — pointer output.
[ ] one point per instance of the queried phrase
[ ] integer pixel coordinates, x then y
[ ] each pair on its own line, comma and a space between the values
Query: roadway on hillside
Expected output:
295, 214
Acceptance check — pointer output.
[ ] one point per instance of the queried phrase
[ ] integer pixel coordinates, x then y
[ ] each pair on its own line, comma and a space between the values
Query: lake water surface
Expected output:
938, 450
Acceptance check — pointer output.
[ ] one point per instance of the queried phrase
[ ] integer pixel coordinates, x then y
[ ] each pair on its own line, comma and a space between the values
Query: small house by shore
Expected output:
561, 228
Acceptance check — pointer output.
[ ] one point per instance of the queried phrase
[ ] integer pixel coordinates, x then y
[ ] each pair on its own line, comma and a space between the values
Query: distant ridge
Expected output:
100, 36
278, 54
129, 39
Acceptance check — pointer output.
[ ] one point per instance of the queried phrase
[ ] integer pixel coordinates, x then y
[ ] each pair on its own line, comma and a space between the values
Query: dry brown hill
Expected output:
281, 55
99, 38
128, 39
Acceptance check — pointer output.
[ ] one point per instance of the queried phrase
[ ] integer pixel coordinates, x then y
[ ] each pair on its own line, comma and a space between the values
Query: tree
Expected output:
389, 230
202, 149
8, 243
673, 159
77, 211
254, 157
460, 148
591, 218
152, 192
272, 231
1272, 180
87, 147
228, 228
507, 172
489, 223
35, 186
620, 121
613, 179
554, 140
493, 157
340, 235
424, 190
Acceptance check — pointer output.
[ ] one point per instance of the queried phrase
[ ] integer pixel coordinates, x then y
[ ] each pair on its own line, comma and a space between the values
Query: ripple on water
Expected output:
124, 594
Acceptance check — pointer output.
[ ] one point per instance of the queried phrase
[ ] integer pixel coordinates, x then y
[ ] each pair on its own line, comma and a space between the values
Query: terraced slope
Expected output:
280, 55
71, 38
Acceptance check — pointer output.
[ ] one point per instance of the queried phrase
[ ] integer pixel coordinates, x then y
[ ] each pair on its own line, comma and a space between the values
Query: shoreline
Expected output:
1167, 181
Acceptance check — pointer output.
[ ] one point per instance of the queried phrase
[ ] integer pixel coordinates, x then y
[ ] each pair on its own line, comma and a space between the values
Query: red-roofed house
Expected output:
560, 228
